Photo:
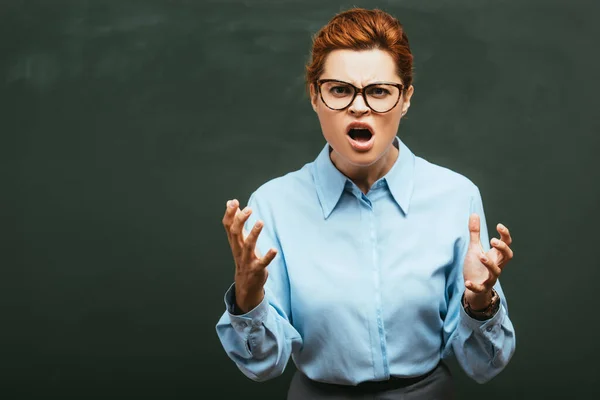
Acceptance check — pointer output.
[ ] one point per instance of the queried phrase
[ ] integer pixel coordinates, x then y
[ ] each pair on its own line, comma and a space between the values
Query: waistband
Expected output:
392, 383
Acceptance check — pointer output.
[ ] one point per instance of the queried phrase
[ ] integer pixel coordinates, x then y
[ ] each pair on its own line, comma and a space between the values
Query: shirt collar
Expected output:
330, 181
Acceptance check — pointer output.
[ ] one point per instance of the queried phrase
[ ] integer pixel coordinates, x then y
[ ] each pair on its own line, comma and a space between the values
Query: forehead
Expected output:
360, 67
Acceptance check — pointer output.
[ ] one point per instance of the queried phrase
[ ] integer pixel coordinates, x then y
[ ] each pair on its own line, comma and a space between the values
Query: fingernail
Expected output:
231, 203
484, 258
494, 241
246, 210
259, 225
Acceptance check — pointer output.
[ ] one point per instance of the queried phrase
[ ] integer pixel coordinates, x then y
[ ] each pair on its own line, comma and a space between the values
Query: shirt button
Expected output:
489, 328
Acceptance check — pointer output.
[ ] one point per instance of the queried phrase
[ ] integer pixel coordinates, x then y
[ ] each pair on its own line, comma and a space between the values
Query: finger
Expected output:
504, 234
475, 287
503, 248
232, 206
474, 229
490, 265
239, 220
250, 240
266, 260
236, 231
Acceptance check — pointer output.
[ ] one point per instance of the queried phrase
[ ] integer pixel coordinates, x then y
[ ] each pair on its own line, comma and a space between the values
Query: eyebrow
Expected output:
368, 84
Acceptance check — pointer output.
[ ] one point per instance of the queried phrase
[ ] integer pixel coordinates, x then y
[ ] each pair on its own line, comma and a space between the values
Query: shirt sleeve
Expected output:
482, 348
261, 341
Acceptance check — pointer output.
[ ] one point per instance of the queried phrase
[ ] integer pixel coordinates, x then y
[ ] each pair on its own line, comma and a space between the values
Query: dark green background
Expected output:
126, 125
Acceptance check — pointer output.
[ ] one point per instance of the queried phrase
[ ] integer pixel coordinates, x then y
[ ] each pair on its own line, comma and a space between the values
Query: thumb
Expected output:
474, 226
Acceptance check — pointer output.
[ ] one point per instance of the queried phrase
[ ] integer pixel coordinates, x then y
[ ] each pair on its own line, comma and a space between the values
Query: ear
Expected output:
313, 97
406, 101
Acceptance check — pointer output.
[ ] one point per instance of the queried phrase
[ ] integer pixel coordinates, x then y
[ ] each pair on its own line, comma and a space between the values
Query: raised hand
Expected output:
481, 270
250, 268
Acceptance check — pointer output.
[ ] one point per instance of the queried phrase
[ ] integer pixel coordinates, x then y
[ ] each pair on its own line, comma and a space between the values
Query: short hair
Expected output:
361, 29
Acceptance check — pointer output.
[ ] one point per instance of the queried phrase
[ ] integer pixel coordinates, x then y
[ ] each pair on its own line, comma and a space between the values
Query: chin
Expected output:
361, 158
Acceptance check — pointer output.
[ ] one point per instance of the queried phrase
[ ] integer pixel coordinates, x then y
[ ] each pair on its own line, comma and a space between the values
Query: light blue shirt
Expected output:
365, 287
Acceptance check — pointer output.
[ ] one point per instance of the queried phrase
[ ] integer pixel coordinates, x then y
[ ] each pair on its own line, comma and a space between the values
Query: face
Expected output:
359, 68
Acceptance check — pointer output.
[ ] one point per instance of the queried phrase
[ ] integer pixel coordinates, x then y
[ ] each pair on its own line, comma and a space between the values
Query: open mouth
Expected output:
360, 135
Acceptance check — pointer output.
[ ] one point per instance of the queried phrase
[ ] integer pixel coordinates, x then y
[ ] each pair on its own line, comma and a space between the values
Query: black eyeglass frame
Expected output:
360, 91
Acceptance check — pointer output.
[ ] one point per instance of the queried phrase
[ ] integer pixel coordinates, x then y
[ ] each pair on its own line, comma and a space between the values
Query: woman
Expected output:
370, 265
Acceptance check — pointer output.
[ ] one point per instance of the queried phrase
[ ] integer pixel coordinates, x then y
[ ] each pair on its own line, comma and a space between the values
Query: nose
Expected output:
358, 106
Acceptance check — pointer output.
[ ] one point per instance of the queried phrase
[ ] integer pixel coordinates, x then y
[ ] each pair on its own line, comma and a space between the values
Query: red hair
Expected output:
361, 29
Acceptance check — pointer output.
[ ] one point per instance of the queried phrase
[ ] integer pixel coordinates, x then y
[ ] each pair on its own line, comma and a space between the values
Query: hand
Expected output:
481, 270
250, 269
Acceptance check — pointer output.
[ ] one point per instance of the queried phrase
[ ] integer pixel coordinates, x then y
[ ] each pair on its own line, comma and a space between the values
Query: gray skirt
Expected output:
435, 385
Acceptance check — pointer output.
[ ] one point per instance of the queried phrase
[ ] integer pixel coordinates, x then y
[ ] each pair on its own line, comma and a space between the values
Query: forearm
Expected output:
259, 342
484, 348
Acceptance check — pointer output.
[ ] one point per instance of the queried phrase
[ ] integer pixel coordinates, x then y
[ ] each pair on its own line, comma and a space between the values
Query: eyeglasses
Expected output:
380, 97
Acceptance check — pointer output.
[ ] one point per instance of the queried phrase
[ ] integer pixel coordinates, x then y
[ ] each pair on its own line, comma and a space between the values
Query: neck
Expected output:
365, 176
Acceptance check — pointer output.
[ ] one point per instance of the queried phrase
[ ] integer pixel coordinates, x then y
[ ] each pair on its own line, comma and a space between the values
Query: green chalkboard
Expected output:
126, 125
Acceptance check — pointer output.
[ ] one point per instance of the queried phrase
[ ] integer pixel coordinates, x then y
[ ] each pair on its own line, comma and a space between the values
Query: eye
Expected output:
340, 90
378, 91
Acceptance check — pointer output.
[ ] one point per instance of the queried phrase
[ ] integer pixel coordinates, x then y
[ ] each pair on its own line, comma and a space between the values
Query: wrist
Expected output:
248, 300
485, 313
478, 301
